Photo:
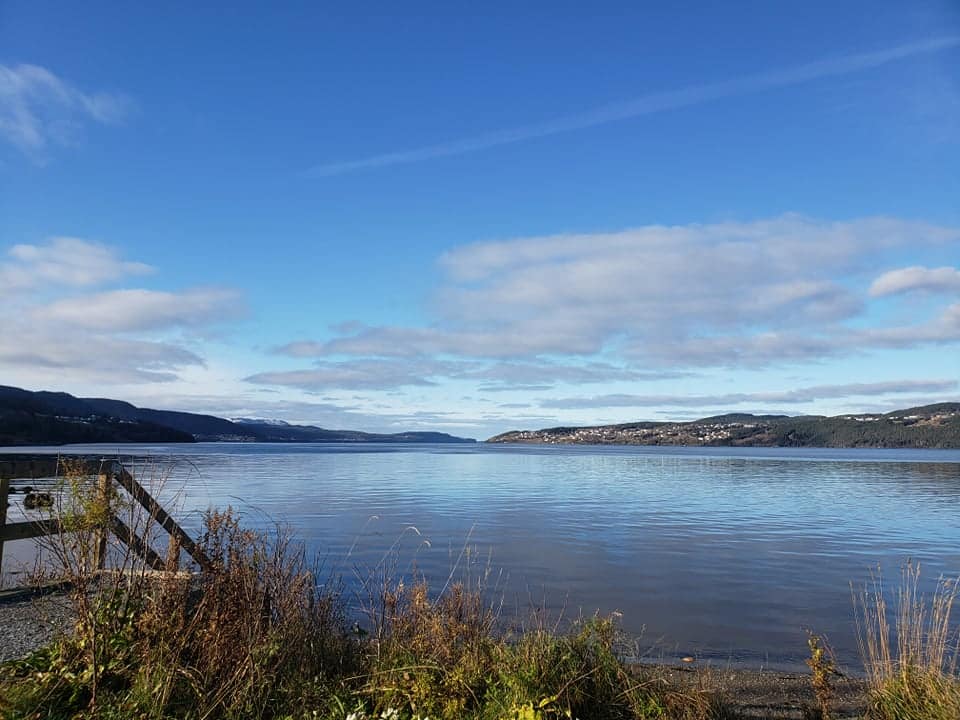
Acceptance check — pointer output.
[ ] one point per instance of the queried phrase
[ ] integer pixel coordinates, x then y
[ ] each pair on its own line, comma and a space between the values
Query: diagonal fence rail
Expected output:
110, 473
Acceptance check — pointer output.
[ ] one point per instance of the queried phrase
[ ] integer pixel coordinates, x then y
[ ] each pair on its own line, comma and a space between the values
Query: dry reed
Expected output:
911, 665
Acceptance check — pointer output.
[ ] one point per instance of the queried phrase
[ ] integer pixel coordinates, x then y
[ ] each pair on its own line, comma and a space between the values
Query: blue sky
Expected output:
477, 218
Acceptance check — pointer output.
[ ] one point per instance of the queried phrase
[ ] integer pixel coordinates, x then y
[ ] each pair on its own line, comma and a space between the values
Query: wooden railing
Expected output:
107, 472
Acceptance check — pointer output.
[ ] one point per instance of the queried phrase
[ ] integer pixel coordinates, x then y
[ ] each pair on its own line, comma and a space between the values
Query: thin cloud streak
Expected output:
38, 108
648, 104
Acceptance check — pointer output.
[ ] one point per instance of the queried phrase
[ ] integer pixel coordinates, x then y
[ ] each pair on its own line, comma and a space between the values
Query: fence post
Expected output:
4, 492
103, 496
173, 554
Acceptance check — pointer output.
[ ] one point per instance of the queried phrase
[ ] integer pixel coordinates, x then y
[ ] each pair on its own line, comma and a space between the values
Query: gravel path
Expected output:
28, 622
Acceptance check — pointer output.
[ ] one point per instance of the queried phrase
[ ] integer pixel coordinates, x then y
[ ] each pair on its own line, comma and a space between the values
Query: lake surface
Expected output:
724, 554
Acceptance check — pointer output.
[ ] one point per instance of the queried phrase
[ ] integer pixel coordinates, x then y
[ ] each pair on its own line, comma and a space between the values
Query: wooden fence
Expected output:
109, 473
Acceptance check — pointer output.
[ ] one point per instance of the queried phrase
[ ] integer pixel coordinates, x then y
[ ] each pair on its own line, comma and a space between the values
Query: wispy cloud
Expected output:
64, 262
416, 368
136, 309
648, 105
38, 108
507, 376
798, 396
33, 354
916, 278
371, 374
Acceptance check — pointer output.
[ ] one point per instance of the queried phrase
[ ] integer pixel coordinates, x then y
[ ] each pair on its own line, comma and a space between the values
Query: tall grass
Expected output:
910, 651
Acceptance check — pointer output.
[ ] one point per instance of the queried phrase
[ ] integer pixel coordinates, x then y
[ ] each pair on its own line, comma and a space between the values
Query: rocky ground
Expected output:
29, 621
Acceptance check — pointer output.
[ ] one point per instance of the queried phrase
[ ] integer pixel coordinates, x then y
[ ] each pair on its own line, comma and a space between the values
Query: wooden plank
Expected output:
137, 544
161, 516
29, 529
173, 554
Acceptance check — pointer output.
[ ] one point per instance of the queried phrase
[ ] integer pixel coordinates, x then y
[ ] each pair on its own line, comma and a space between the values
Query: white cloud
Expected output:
142, 310
771, 348
38, 109
743, 294
917, 278
54, 328
945, 328
64, 262
44, 356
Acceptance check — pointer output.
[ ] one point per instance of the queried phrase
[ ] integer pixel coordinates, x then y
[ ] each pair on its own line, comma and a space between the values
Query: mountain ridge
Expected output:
44, 417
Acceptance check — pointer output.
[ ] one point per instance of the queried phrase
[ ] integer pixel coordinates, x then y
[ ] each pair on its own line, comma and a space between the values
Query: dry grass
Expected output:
251, 634
912, 665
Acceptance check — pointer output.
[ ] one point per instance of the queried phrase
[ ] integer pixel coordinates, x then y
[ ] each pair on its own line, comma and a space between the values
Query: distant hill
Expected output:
925, 410
198, 426
54, 418
929, 426
281, 432
45, 418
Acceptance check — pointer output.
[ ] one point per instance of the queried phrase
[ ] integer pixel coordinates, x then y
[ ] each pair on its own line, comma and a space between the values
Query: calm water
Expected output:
725, 554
